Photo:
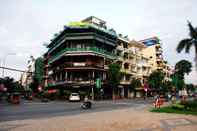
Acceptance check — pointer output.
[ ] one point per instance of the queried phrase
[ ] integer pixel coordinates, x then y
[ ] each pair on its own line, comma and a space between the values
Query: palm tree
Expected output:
188, 42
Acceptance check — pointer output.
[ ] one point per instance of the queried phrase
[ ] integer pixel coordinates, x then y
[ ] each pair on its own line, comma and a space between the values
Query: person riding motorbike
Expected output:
87, 103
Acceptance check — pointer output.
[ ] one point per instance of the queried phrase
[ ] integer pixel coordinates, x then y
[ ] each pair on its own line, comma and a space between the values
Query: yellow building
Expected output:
133, 63
154, 52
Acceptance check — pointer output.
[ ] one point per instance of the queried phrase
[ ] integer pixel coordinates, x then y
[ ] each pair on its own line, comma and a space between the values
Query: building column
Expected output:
66, 75
60, 75
56, 78
71, 76
93, 85
93, 74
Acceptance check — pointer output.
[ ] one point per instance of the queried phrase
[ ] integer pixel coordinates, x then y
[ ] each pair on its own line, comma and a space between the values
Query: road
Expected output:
36, 110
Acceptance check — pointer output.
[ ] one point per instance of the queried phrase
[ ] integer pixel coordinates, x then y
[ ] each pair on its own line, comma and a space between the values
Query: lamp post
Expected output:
4, 61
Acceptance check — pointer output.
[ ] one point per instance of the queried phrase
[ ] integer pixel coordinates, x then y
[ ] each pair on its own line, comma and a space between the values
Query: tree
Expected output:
34, 85
167, 86
11, 85
183, 67
156, 79
188, 42
178, 80
114, 76
38, 74
135, 83
190, 87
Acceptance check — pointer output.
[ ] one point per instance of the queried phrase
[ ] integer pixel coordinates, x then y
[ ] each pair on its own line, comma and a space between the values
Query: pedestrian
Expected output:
156, 102
169, 96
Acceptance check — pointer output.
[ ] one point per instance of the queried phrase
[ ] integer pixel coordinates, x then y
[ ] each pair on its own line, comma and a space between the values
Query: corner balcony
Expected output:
84, 64
96, 50
71, 82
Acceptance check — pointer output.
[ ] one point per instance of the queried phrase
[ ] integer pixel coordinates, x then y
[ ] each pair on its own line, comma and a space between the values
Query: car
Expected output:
74, 97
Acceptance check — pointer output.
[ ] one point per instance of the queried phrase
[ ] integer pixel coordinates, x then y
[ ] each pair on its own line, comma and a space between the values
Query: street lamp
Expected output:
4, 60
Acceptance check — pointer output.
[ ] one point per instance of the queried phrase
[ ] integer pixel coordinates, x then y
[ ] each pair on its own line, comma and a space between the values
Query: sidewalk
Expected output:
129, 119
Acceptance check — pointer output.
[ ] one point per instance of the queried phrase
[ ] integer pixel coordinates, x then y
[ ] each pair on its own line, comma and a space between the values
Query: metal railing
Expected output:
93, 49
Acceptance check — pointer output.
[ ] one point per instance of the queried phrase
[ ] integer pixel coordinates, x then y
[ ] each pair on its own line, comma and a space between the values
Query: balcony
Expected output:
106, 67
71, 82
91, 49
125, 82
159, 51
83, 64
159, 59
119, 47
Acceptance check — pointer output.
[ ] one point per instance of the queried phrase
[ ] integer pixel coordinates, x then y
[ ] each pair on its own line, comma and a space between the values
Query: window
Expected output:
127, 78
126, 66
125, 55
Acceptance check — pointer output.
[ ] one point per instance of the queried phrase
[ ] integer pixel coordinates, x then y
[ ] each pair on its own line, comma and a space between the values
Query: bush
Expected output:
190, 105
177, 106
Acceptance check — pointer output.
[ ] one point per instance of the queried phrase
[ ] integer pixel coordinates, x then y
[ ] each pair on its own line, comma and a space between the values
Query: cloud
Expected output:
192, 77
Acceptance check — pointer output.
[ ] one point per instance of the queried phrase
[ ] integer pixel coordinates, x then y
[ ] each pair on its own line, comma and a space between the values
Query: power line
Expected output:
13, 69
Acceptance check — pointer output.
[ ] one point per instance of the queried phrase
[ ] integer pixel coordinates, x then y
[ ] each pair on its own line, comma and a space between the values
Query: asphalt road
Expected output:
35, 110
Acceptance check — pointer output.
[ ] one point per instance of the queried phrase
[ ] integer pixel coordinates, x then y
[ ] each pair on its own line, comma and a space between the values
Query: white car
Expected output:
74, 97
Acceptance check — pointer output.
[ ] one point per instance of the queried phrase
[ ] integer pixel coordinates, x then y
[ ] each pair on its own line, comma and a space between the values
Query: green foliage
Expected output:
190, 87
38, 74
156, 79
11, 85
187, 43
189, 105
34, 85
186, 107
177, 106
178, 81
114, 75
135, 83
183, 67
169, 109
167, 86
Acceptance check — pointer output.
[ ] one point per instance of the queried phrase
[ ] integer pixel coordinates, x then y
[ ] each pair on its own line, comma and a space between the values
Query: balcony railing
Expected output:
71, 81
83, 64
92, 49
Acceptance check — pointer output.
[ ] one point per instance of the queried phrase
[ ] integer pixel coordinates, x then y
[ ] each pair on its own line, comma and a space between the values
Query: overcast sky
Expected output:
25, 25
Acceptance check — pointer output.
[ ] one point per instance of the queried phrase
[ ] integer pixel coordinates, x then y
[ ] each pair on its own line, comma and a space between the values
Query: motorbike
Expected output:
86, 105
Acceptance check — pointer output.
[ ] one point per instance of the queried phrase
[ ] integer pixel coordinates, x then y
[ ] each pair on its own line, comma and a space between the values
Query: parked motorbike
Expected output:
86, 105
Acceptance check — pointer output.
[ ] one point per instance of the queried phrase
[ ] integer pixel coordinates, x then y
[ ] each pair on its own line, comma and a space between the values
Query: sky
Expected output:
25, 25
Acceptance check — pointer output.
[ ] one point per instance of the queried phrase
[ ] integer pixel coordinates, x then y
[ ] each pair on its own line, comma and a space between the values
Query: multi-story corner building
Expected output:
79, 55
